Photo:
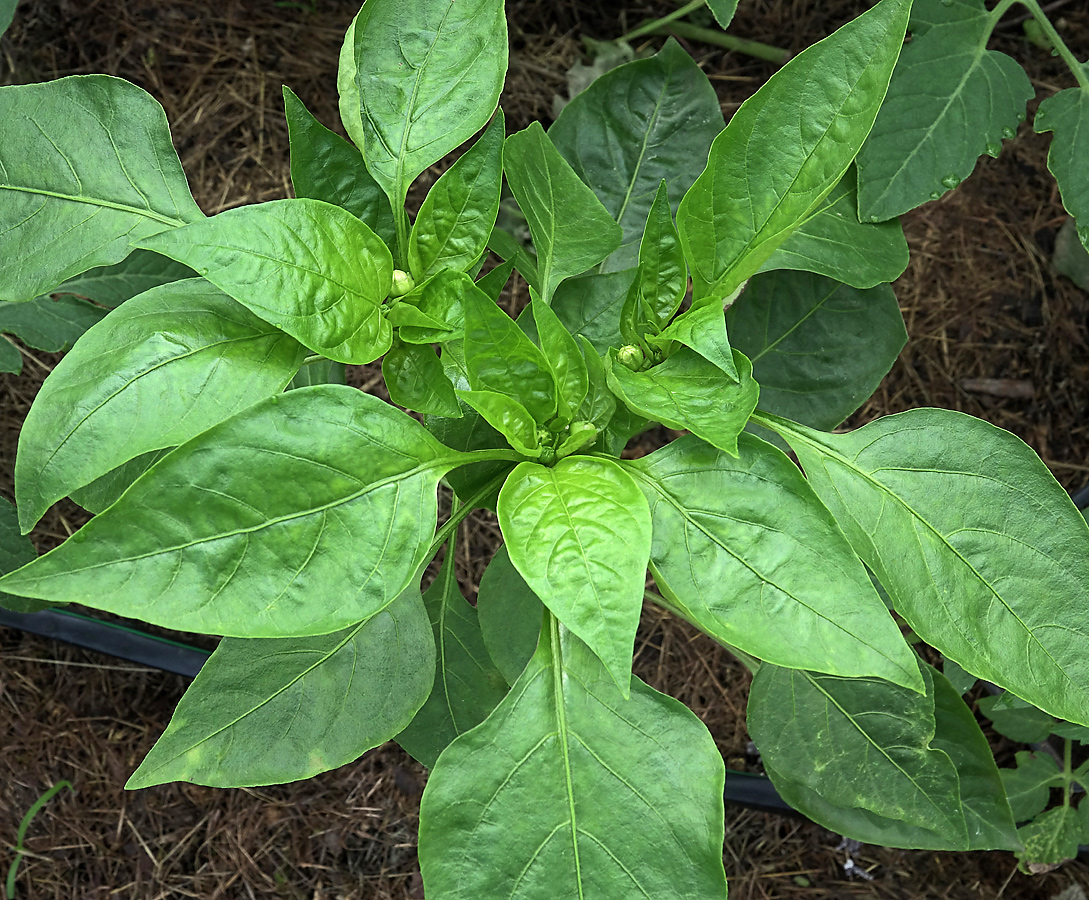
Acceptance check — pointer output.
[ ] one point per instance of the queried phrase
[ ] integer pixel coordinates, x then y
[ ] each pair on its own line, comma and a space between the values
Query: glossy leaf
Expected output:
570, 790
500, 358
703, 329
665, 103
301, 515
600, 404
663, 273
44, 324
323, 371
507, 416
950, 101
276, 710
103, 492
348, 103
724, 531
467, 684
507, 247
571, 230
155, 372
1067, 115
415, 380
980, 549
834, 243
818, 348
689, 393
441, 300
428, 75
15, 551
564, 356
111, 286
510, 615
309, 268
1053, 837
493, 283
590, 306
452, 228
87, 168
579, 534
326, 167
771, 168
1028, 786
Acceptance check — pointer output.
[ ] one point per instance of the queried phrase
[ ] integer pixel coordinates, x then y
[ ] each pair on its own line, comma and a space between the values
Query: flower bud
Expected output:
402, 283
631, 357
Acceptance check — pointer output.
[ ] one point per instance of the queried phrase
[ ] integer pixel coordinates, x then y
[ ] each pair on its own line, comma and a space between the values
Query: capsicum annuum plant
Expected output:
712, 277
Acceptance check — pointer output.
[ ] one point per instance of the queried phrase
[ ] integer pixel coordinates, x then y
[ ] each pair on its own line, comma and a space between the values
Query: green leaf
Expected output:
951, 100
771, 168
155, 372
663, 273
46, 324
626, 793
15, 551
510, 615
458, 214
1052, 838
600, 404
7, 13
310, 268
579, 534
1016, 718
1072, 732
507, 416
571, 230
428, 75
962, 681
507, 247
440, 299
104, 490
87, 168
723, 11
564, 356
722, 529
467, 684
326, 167
348, 102
310, 704
493, 283
500, 358
979, 547
111, 286
689, 393
590, 306
302, 515
1028, 786
702, 328
665, 103
834, 243
858, 743
324, 371
415, 380
1067, 115
818, 348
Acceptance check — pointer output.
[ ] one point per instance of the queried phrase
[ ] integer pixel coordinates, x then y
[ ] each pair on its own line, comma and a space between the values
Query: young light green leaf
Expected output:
665, 103
87, 168
103, 492
818, 348
428, 75
740, 518
507, 416
326, 167
44, 324
440, 299
415, 380
111, 286
564, 356
310, 704
155, 372
571, 230
1053, 837
301, 515
979, 547
510, 615
689, 393
858, 743
348, 102
310, 268
769, 170
579, 534
590, 306
1028, 786
1067, 115
452, 228
500, 358
652, 827
467, 685
663, 273
703, 329
834, 243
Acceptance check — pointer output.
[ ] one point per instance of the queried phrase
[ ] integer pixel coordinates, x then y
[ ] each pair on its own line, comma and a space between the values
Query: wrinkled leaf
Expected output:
1052, 838
510, 615
564, 356
415, 380
507, 416
703, 329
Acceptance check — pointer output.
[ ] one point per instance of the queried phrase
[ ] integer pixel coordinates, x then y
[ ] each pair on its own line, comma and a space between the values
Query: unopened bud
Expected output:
630, 357
402, 283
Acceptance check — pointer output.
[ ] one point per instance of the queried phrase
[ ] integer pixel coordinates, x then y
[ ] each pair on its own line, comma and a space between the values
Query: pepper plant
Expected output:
711, 277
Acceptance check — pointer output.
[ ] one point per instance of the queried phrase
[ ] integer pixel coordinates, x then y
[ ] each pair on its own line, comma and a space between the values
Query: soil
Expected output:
994, 332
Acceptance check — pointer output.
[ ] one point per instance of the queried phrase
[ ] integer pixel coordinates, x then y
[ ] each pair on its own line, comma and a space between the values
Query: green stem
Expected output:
1076, 68
727, 41
1068, 777
400, 224
312, 358
652, 26
461, 511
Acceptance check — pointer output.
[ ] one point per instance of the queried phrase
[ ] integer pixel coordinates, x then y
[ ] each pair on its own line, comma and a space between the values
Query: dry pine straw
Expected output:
993, 332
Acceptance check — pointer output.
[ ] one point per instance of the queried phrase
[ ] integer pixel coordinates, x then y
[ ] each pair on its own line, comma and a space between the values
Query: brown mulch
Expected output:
993, 332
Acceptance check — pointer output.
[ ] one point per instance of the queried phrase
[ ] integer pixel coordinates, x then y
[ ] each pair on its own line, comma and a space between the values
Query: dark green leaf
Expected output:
310, 268
1067, 115
111, 286
86, 169
590, 306
301, 515
1072, 732
600, 404
467, 684
771, 168
46, 324
571, 230
723, 11
818, 348
1016, 718
15, 551
415, 380
665, 103
506, 247
564, 356
961, 680
1029, 785
951, 100
104, 490
722, 529
579, 534
458, 214
309, 704
7, 13
510, 615
155, 372
493, 283
689, 393
326, 167
626, 793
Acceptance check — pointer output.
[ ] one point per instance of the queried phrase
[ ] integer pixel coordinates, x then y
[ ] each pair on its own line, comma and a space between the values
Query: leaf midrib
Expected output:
96, 201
